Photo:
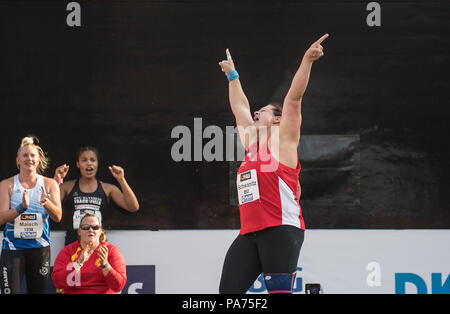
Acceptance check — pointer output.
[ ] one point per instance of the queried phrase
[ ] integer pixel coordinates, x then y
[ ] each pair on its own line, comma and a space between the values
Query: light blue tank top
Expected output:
31, 228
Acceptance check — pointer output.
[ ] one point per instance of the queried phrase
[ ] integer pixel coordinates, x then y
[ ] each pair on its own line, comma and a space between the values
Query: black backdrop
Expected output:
136, 69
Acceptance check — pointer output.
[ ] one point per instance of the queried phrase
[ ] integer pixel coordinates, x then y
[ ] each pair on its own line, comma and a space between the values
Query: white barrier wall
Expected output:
342, 261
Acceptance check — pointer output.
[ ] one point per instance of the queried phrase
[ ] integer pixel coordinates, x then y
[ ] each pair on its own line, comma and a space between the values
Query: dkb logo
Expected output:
437, 287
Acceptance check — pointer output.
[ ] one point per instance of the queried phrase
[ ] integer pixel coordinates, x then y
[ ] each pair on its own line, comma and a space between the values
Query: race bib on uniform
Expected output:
28, 226
79, 213
247, 186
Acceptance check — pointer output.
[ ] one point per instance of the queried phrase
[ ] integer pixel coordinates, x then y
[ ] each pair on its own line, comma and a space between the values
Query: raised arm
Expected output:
292, 116
238, 101
125, 198
60, 174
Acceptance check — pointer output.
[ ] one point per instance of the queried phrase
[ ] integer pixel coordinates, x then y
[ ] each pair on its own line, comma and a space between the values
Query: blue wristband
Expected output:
20, 209
231, 75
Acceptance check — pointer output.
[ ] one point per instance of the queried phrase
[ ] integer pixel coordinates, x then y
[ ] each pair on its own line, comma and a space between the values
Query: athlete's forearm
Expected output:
301, 78
115, 273
300, 81
236, 95
129, 196
8, 215
53, 211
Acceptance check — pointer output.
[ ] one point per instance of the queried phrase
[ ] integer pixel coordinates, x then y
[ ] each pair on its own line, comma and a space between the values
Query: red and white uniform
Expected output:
268, 191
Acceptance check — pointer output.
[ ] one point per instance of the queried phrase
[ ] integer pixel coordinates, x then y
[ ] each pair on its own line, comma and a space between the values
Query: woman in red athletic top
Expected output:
272, 227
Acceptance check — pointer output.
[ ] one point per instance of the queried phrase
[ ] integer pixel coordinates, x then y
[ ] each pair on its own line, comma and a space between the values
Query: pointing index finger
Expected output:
227, 51
321, 39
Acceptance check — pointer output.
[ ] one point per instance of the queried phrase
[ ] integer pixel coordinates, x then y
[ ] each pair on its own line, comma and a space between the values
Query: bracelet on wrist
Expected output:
20, 209
58, 180
104, 266
232, 75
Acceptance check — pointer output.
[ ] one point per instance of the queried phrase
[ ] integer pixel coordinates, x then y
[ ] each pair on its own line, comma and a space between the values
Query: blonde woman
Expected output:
27, 201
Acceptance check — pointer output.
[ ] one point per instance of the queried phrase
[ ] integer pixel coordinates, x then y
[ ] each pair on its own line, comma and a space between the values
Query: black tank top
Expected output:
78, 204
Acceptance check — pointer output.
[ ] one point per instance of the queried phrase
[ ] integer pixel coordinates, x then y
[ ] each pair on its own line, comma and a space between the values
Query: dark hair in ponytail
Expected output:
277, 109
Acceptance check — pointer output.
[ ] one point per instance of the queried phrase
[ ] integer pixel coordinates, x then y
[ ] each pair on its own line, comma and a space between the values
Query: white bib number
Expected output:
28, 226
79, 213
247, 186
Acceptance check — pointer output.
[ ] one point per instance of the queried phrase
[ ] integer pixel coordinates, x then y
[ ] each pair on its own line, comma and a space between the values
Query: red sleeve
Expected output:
60, 270
117, 276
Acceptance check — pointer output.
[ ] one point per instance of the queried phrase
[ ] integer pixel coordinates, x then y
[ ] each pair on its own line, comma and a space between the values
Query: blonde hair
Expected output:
102, 232
43, 159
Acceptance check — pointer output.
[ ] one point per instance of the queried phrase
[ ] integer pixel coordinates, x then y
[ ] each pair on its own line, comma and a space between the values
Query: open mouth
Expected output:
89, 169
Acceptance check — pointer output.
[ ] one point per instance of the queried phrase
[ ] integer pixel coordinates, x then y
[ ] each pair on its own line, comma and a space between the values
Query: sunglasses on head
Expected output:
87, 227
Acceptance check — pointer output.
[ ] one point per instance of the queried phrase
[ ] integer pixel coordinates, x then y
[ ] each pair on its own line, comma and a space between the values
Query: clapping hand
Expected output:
86, 253
45, 196
25, 199
102, 252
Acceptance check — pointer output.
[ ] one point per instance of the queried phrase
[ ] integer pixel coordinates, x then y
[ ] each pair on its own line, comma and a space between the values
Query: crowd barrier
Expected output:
341, 261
